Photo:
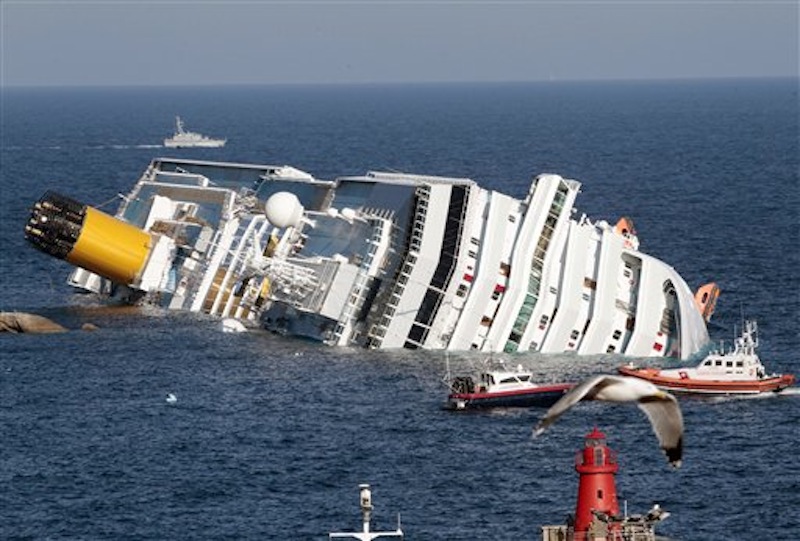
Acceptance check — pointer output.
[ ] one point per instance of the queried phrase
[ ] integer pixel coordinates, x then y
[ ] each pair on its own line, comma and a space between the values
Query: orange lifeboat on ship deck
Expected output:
706, 300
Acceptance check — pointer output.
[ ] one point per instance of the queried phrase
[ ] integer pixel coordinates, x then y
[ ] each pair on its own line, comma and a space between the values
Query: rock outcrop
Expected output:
22, 322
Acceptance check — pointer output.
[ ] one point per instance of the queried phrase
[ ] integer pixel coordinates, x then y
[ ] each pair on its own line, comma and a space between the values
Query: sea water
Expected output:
268, 437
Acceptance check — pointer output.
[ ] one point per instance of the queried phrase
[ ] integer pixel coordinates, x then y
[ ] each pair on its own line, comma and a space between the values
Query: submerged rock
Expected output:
21, 322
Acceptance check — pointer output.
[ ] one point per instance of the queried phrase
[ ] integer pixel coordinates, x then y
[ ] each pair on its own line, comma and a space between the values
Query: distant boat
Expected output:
187, 139
735, 372
503, 388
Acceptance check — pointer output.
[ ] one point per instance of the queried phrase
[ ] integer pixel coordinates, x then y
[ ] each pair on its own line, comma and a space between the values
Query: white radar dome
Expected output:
283, 209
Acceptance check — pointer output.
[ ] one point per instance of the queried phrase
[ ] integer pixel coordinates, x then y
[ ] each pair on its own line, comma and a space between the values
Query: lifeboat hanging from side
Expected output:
706, 300
625, 229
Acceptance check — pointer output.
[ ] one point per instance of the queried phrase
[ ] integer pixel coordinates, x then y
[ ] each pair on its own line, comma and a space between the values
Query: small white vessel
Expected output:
188, 139
500, 387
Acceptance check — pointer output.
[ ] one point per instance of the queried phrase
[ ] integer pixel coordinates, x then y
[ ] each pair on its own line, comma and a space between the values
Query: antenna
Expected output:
365, 503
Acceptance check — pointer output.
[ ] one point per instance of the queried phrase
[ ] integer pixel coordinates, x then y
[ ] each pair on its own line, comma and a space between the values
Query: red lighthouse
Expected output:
596, 464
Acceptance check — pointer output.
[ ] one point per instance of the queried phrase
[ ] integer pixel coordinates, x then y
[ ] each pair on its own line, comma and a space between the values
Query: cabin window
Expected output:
495, 295
473, 254
585, 296
611, 349
574, 334
461, 291
512, 218
739, 364
718, 362
707, 363
524, 377
617, 334
728, 364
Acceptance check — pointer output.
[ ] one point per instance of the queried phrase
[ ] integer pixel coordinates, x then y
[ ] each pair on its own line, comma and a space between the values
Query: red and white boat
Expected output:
737, 371
503, 388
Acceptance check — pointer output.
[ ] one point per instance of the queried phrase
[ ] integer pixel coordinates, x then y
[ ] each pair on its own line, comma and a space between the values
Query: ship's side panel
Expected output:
533, 216
567, 328
555, 231
693, 333
450, 251
425, 249
463, 276
551, 210
485, 277
628, 283
602, 315
540, 198
667, 320
493, 312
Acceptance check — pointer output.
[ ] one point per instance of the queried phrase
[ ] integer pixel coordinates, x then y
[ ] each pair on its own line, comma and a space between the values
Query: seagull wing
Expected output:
584, 390
665, 415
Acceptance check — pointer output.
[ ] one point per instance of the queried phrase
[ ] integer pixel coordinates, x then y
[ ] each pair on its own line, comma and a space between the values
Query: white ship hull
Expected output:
204, 143
389, 260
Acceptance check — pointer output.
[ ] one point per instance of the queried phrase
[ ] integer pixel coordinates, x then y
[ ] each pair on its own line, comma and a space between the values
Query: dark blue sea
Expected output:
270, 436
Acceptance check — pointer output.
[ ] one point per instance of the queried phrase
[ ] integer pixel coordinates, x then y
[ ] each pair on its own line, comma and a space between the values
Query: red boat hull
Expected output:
543, 396
702, 386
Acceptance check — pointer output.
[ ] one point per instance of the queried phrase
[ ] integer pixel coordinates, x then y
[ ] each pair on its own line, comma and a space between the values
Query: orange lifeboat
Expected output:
706, 300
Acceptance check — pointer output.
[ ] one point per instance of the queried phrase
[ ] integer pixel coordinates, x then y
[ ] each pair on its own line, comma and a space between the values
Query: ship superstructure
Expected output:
380, 260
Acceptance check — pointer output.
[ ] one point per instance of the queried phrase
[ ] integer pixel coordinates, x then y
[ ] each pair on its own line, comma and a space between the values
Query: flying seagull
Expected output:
660, 407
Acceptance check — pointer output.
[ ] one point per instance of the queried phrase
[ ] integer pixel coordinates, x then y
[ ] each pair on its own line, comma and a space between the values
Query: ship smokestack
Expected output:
87, 238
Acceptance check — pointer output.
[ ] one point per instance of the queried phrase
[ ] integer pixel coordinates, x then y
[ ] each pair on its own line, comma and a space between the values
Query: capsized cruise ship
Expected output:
381, 260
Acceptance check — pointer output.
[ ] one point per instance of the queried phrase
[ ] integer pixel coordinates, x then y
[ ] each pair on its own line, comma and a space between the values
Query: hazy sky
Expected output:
202, 42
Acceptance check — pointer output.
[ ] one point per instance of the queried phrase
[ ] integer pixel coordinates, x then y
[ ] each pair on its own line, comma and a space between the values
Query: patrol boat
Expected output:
379, 260
501, 387
737, 371
189, 139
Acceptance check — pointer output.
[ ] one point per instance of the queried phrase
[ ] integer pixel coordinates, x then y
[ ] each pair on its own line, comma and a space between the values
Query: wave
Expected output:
89, 147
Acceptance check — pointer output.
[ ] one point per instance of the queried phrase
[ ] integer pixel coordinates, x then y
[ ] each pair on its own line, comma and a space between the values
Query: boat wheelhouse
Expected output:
380, 260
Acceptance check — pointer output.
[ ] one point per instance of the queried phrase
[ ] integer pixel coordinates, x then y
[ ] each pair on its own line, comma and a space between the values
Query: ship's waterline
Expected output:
382, 260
